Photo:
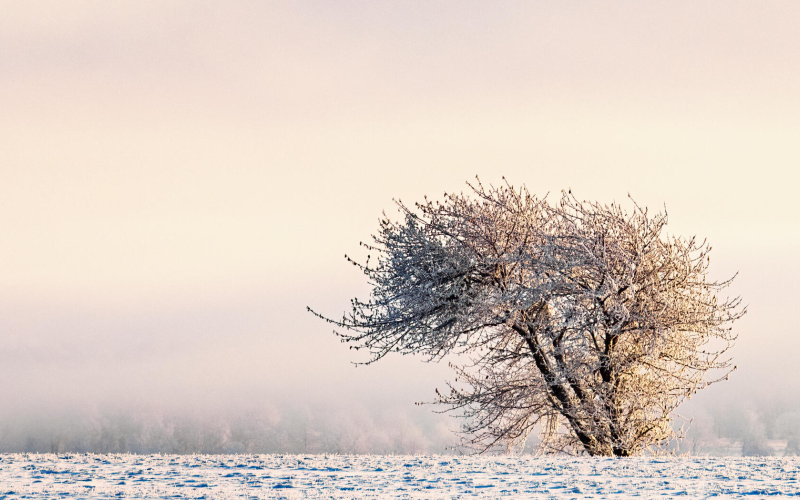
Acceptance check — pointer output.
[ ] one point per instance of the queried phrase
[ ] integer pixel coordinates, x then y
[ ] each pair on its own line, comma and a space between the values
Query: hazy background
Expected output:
179, 180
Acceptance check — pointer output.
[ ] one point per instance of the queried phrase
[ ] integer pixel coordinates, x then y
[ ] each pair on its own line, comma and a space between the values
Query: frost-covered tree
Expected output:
582, 320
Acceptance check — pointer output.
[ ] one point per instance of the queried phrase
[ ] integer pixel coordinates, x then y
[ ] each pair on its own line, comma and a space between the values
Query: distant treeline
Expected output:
752, 429
255, 431
769, 427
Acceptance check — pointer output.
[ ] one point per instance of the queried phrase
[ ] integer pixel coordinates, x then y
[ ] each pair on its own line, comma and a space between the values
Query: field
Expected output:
372, 476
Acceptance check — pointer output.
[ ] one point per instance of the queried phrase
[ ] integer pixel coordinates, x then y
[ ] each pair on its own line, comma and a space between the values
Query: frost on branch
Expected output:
580, 318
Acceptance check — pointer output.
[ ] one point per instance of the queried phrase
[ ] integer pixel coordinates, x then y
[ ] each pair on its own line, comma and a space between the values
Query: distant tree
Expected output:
580, 318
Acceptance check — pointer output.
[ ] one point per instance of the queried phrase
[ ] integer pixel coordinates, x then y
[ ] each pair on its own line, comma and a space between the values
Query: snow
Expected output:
386, 476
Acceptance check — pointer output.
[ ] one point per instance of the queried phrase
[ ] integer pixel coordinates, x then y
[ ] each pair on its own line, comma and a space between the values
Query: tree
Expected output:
581, 320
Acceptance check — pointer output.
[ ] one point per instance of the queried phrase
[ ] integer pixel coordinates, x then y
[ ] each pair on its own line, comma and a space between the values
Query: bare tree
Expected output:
580, 318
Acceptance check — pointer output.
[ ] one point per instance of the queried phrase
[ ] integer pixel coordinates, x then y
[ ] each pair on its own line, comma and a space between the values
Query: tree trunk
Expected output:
570, 397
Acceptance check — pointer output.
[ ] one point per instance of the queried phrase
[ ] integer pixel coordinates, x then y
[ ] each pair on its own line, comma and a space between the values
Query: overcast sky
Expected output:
179, 180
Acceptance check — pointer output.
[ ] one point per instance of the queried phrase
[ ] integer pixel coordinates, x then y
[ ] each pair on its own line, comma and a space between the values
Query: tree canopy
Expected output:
581, 320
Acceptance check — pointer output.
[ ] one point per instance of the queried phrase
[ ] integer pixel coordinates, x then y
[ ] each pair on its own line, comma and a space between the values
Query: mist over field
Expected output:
178, 182
168, 382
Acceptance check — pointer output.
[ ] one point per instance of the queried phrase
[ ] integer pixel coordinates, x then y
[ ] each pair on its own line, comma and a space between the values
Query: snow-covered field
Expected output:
372, 476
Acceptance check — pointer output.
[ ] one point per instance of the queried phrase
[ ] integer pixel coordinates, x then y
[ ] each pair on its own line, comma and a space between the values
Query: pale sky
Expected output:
178, 180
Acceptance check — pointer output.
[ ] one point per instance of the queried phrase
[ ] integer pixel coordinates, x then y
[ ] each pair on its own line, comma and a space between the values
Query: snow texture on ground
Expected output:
375, 476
